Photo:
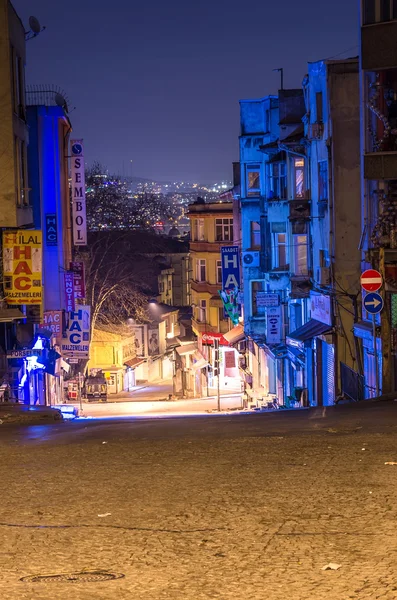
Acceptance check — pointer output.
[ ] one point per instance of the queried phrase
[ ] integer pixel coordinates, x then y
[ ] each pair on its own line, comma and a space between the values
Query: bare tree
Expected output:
114, 289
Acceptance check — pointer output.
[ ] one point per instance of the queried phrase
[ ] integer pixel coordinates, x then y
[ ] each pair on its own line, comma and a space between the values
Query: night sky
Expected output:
158, 83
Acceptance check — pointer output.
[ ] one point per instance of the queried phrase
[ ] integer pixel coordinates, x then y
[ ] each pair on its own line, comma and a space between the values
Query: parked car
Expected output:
96, 388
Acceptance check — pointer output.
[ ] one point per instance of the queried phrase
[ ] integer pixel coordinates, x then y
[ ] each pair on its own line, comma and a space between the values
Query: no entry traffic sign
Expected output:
371, 280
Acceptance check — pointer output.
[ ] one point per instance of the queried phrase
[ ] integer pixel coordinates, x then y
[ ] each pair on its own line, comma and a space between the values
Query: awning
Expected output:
308, 331
10, 314
201, 361
235, 335
363, 330
187, 349
134, 362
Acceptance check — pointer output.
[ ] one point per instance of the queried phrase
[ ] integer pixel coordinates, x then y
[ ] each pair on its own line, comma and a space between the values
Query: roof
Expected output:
134, 362
10, 314
235, 335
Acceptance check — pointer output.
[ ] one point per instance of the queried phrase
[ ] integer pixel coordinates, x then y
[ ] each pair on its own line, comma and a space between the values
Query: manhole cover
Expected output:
84, 577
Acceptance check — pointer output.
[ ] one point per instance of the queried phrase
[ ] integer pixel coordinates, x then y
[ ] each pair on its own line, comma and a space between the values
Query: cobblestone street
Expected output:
229, 507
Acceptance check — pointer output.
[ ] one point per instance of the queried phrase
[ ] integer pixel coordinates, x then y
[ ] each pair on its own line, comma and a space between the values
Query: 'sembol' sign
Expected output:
78, 194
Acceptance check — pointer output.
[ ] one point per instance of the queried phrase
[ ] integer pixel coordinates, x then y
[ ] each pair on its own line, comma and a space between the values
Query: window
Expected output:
255, 236
300, 254
201, 270
267, 121
253, 180
277, 181
199, 230
369, 12
385, 12
224, 230
319, 107
257, 288
280, 250
247, 143
322, 187
221, 315
324, 258
376, 11
20, 172
18, 84
202, 311
323, 180
218, 271
299, 177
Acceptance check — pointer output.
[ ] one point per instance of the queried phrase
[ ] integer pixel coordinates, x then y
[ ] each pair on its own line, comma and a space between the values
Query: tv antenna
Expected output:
34, 29
281, 71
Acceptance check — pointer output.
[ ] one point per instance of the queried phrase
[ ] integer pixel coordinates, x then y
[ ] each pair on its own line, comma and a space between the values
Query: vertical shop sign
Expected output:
78, 194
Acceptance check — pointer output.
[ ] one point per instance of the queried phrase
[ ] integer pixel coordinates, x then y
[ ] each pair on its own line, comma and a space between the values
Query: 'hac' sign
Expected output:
77, 342
22, 266
78, 194
51, 233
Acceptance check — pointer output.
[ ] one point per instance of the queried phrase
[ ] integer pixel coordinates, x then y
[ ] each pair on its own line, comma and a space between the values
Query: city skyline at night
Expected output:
158, 97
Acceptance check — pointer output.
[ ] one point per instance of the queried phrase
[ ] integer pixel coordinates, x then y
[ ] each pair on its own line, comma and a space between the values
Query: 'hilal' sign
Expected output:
230, 256
22, 266
78, 194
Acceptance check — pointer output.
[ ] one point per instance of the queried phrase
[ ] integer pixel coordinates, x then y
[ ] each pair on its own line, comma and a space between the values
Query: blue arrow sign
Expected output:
373, 303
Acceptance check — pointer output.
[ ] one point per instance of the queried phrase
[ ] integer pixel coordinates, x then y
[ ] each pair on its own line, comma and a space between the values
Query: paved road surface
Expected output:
227, 507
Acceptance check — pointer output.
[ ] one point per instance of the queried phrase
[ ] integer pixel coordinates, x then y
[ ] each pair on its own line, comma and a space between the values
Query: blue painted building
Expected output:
300, 201
49, 130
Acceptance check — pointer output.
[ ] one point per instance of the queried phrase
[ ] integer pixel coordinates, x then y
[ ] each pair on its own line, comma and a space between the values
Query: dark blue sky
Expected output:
158, 83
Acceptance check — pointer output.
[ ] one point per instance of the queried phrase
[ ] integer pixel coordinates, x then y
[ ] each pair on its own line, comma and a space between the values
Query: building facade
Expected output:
300, 237
378, 85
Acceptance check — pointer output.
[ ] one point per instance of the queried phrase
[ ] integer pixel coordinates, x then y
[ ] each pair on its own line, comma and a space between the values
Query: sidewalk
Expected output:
25, 414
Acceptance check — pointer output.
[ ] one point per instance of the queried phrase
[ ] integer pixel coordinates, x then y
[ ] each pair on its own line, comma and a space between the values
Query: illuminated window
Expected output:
203, 311
201, 269
280, 250
253, 180
300, 254
299, 177
224, 230
199, 230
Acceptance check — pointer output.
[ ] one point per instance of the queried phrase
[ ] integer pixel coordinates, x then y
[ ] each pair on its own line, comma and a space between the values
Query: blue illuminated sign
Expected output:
51, 233
230, 256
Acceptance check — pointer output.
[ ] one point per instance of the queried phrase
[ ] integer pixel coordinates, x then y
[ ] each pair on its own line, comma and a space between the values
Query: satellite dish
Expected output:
34, 25
60, 100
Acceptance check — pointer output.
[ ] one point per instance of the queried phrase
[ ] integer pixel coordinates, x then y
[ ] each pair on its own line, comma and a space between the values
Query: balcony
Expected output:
378, 46
300, 286
204, 246
380, 165
204, 286
315, 131
201, 326
299, 210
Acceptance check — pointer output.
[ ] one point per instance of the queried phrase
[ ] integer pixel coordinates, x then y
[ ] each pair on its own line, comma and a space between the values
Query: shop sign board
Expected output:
22, 267
76, 344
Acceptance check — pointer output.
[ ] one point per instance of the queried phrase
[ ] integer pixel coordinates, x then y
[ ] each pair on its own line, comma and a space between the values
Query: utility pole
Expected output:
217, 371
387, 362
